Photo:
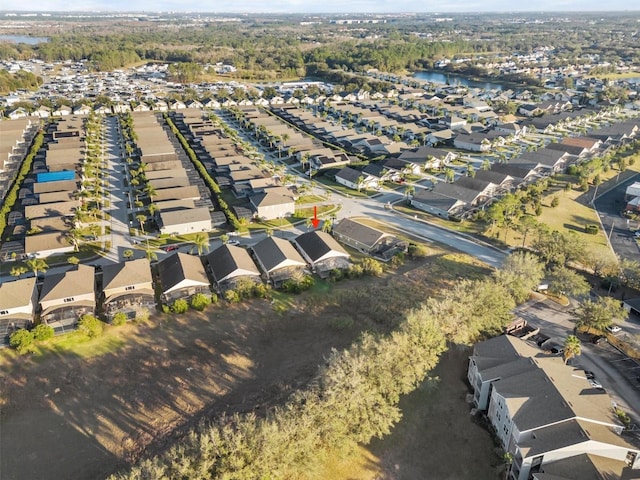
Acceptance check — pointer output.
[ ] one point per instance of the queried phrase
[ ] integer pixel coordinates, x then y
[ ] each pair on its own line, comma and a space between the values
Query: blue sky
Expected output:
325, 6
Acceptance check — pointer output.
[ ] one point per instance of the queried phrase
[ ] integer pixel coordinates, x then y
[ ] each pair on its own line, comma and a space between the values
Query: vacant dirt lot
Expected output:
65, 416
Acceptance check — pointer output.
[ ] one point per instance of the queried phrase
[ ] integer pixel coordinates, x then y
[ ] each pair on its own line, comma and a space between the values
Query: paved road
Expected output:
613, 370
609, 206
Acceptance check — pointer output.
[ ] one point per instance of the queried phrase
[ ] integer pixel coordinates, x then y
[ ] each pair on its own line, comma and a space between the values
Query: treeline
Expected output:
348, 81
21, 80
355, 396
12, 195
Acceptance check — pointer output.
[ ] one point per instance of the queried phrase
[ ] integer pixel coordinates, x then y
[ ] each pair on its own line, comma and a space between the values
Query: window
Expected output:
130, 287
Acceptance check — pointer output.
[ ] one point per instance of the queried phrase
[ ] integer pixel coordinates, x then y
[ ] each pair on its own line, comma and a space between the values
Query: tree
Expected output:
564, 281
37, 265
599, 314
449, 175
526, 224
141, 219
180, 306
505, 212
73, 260
201, 242
557, 248
119, 319
521, 272
127, 254
572, 348
224, 238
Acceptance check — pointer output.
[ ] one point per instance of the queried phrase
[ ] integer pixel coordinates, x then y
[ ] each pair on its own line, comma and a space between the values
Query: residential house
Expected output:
44, 245
182, 276
18, 302
437, 204
278, 259
270, 205
366, 239
127, 288
429, 157
322, 252
66, 296
542, 410
230, 265
356, 179
185, 220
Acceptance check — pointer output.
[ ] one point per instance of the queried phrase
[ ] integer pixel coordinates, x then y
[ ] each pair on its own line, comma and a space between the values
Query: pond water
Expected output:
23, 39
453, 79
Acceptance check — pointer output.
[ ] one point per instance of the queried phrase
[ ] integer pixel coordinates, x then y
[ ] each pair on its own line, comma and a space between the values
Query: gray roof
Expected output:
187, 215
454, 190
229, 261
476, 184
494, 177
274, 253
350, 174
78, 281
359, 232
317, 245
16, 293
132, 272
435, 200
179, 267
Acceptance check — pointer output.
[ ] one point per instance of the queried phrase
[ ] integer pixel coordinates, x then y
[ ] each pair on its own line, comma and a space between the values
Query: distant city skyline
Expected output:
326, 6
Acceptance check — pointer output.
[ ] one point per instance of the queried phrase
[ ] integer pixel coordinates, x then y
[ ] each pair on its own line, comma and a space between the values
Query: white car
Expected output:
614, 328
233, 242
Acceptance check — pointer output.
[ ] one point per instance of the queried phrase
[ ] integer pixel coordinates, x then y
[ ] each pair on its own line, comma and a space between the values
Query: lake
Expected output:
452, 79
23, 39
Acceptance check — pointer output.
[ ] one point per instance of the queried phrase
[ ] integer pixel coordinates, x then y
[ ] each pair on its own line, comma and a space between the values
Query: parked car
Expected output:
590, 375
170, 248
233, 242
598, 339
614, 328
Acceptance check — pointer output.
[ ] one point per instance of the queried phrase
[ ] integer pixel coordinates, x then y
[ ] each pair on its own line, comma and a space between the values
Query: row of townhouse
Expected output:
15, 138
266, 197
547, 415
181, 200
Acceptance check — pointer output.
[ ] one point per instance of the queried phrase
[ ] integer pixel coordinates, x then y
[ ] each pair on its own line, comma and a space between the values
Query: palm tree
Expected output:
37, 265
572, 348
201, 242
224, 238
141, 219
409, 191
18, 271
327, 225
449, 175
74, 236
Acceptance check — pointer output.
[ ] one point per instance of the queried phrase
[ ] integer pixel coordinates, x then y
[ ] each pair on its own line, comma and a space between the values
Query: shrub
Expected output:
355, 271
43, 332
119, 319
260, 290
142, 315
397, 259
90, 326
591, 229
297, 286
417, 251
214, 299
336, 275
180, 306
21, 340
372, 267
232, 296
342, 323
200, 301
555, 201
166, 309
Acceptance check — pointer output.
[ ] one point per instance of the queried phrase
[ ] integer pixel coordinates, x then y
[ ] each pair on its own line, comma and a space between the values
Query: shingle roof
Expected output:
318, 246
229, 261
275, 253
363, 234
78, 281
16, 293
178, 267
132, 272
